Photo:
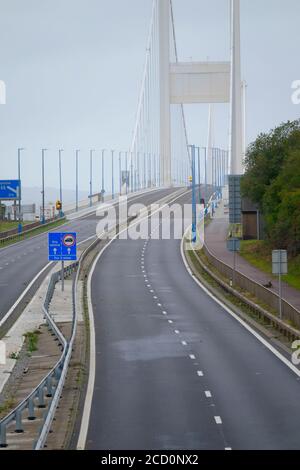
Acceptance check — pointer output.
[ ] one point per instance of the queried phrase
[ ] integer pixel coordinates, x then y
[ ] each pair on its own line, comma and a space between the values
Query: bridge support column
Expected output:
236, 133
164, 14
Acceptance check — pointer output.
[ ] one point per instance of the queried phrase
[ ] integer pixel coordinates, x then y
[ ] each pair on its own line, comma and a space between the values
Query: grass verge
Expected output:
5, 225
33, 233
259, 254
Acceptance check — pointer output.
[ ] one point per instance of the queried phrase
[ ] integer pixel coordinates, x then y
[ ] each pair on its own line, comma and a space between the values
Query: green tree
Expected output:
272, 180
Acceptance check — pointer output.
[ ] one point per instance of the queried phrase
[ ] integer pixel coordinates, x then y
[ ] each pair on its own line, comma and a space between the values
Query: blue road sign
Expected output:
9, 189
69, 247
62, 246
233, 244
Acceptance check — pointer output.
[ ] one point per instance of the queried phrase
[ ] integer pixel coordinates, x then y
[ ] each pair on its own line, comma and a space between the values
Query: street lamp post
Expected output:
91, 176
126, 169
150, 170
120, 172
102, 175
60, 181
199, 174
194, 208
20, 189
76, 170
112, 175
205, 169
43, 185
131, 172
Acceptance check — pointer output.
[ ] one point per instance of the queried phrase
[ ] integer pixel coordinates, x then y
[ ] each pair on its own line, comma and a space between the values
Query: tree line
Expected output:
272, 181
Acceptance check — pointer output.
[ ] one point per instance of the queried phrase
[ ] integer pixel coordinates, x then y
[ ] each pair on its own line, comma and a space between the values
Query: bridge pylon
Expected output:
199, 82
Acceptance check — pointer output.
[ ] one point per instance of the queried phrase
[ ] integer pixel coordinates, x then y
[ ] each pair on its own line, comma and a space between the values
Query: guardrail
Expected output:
19, 236
53, 382
55, 400
289, 331
259, 291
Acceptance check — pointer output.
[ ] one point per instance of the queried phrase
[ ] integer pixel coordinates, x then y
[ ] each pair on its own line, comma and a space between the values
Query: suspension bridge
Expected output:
172, 363
159, 153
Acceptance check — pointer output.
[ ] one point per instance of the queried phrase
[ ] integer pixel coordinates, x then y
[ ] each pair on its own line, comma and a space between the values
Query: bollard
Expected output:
31, 415
41, 397
19, 426
3, 442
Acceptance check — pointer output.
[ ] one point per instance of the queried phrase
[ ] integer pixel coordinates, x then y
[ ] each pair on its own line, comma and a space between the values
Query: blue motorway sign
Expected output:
9, 189
62, 246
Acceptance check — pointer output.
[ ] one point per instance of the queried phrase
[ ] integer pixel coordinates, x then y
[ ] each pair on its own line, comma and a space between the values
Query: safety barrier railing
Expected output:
64, 370
25, 232
52, 382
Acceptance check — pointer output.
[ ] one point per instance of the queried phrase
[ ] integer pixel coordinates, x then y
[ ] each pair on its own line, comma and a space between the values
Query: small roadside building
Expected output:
252, 221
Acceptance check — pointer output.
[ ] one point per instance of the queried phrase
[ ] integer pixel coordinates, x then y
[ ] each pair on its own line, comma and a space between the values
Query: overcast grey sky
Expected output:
73, 70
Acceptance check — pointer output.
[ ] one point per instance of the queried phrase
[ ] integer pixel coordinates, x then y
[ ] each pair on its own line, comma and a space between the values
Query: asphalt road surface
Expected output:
173, 369
20, 263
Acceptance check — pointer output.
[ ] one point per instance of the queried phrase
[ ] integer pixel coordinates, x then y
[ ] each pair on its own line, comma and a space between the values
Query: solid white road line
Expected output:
237, 318
7, 315
3, 320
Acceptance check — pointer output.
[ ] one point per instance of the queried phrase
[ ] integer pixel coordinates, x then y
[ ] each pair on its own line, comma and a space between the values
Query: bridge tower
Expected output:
212, 82
236, 125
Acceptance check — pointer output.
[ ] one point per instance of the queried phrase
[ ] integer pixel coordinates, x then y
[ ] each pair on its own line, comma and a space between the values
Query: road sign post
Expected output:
62, 247
62, 276
233, 245
192, 180
280, 267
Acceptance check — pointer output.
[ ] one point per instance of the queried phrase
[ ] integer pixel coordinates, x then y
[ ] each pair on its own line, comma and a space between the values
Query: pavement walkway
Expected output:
215, 240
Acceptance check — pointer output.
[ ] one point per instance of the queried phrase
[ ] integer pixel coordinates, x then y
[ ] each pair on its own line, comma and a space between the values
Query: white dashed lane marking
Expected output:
200, 373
